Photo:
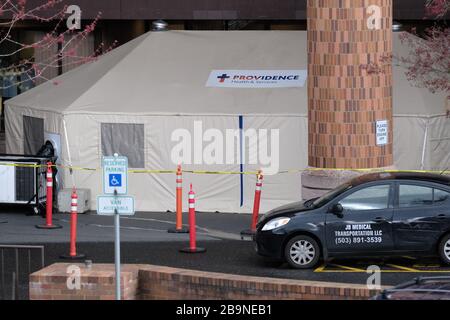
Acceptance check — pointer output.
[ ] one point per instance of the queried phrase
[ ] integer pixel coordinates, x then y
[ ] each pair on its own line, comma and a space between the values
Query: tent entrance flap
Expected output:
33, 134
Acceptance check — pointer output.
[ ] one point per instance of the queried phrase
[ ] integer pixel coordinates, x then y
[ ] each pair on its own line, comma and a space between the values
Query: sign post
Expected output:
117, 249
115, 202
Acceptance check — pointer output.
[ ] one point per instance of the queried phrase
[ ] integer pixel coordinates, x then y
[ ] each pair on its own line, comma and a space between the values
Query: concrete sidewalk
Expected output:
143, 227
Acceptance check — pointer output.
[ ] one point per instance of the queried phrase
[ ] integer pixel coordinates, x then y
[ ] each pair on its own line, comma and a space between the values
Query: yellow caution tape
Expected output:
26, 165
74, 168
191, 171
366, 170
149, 171
220, 172
19, 165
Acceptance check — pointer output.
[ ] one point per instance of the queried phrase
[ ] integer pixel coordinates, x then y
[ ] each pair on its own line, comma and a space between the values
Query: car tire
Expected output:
444, 249
302, 252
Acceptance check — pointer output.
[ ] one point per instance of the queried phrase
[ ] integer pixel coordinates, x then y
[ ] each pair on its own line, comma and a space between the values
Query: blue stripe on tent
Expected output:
241, 137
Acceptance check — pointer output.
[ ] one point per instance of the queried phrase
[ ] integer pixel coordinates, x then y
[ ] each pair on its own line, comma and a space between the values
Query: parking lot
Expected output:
422, 265
145, 240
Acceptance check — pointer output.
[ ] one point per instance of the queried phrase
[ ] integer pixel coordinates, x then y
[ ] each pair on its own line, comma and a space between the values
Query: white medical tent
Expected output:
134, 98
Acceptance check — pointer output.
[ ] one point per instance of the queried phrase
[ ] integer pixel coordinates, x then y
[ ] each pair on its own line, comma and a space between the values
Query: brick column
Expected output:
344, 100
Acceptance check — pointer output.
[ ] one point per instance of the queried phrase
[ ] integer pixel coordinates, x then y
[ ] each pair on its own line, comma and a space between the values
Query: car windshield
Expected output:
331, 195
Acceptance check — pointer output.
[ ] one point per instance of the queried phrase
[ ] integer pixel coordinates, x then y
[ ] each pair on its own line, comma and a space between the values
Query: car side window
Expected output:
370, 198
414, 196
441, 196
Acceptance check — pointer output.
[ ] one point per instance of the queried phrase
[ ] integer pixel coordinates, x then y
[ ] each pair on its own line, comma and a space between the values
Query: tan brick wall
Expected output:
97, 283
156, 282
344, 100
170, 283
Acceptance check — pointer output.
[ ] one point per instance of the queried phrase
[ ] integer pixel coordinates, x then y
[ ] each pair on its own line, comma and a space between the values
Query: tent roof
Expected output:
166, 73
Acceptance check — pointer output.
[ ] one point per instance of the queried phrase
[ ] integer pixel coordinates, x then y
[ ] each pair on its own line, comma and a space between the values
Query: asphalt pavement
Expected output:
143, 227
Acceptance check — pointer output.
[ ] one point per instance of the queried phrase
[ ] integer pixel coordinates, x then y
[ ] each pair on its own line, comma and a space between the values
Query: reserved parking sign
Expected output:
115, 175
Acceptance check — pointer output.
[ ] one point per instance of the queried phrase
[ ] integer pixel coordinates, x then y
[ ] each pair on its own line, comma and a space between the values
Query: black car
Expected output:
422, 288
377, 214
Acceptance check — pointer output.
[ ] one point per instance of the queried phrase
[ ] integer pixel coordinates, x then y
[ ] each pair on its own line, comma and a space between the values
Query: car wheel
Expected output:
444, 249
302, 252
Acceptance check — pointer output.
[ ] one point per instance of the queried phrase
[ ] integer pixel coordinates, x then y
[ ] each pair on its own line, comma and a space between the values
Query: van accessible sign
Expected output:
257, 78
109, 205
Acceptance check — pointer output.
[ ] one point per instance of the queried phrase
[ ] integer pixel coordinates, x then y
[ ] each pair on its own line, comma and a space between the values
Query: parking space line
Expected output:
427, 266
320, 269
398, 269
348, 268
386, 271
409, 257
340, 271
402, 268
416, 271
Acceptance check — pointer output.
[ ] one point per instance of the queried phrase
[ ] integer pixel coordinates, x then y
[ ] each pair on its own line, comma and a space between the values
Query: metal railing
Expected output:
9, 253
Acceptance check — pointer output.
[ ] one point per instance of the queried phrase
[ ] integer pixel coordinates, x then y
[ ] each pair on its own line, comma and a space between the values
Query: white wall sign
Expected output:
115, 175
382, 132
107, 205
257, 78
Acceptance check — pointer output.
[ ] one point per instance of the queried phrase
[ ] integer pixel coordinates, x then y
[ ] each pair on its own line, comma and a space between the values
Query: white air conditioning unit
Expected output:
22, 182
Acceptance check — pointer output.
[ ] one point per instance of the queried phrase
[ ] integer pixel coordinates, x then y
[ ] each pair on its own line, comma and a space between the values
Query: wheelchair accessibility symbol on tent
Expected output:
115, 180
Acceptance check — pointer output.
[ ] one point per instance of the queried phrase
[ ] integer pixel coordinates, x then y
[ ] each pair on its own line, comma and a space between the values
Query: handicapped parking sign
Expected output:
115, 175
115, 180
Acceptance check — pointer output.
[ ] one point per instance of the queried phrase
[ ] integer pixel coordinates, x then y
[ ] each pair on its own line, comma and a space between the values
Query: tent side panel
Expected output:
81, 150
198, 144
289, 154
203, 137
156, 192
409, 135
14, 130
14, 126
439, 144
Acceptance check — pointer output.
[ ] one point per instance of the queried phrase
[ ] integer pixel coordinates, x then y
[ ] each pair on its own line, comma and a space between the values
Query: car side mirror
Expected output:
337, 210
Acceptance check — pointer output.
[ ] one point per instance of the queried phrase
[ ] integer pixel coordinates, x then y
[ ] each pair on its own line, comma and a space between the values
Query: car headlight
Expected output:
275, 223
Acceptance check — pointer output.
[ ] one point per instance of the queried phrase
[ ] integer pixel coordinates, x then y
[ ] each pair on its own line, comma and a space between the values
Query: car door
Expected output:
365, 225
420, 215
441, 199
